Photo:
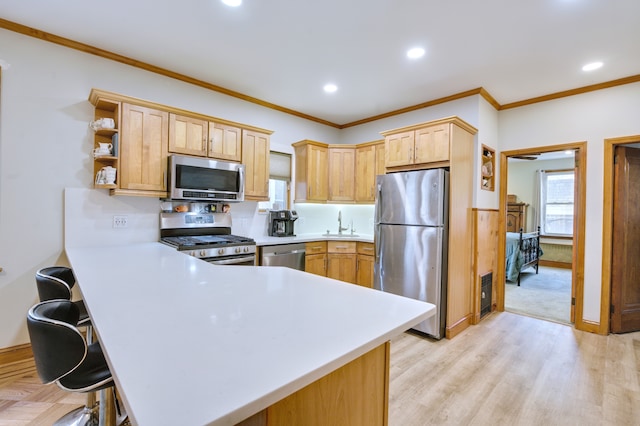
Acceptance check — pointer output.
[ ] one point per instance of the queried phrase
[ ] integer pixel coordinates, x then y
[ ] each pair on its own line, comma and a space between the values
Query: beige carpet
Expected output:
546, 295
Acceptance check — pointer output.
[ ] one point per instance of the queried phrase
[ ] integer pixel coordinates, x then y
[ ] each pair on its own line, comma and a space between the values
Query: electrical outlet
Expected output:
120, 222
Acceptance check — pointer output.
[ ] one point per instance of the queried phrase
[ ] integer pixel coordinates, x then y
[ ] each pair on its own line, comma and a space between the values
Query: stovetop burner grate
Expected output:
208, 240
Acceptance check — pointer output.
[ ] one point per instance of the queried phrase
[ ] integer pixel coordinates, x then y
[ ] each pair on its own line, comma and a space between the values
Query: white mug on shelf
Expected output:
103, 149
102, 123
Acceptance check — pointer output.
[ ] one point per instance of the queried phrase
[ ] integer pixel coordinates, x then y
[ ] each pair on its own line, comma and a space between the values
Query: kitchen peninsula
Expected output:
194, 343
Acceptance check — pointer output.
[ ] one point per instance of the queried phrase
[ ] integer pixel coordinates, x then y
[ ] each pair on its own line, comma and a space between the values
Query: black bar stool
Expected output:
55, 283
63, 356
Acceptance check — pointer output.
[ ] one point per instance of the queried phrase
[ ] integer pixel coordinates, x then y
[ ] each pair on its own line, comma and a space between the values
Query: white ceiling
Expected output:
284, 51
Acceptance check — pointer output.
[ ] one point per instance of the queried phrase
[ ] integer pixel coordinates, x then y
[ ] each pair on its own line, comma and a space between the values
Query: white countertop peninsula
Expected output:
193, 343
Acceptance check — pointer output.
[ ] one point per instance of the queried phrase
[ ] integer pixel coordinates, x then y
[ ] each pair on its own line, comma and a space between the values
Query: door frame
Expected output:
577, 268
607, 227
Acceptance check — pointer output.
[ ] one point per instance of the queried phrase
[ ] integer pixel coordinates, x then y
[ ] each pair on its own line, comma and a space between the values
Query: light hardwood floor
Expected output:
516, 370
507, 370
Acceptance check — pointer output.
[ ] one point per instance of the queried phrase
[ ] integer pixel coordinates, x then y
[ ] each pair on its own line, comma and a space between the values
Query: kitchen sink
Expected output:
341, 235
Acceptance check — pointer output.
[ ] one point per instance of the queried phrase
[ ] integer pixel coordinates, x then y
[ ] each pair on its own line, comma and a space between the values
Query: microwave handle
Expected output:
241, 176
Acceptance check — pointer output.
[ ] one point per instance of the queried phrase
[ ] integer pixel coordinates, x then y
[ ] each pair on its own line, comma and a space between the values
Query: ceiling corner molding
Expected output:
572, 92
487, 97
415, 107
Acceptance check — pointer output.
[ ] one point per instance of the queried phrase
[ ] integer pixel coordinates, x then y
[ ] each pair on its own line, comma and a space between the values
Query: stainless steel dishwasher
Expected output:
289, 255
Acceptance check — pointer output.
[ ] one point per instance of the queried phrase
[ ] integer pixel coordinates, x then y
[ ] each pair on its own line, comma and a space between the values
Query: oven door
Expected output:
249, 260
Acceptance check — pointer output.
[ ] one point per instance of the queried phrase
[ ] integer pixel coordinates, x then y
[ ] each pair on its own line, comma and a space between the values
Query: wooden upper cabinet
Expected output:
143, 148
255, 157
342, 163
365, 173
369, 163
419, 145
432, 144
311, 174
399, 149
187, 135
225, 142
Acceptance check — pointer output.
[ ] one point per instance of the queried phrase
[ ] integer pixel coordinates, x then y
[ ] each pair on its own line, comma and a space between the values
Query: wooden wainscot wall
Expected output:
485, 260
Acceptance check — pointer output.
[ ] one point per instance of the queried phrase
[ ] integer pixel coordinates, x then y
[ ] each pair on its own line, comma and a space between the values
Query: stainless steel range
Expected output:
207, 236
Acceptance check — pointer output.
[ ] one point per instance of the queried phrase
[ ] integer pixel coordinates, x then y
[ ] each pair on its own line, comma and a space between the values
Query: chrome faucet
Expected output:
340, 228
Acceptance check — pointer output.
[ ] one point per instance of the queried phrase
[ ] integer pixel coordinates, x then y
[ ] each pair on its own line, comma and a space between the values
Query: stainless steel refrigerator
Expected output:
411, 240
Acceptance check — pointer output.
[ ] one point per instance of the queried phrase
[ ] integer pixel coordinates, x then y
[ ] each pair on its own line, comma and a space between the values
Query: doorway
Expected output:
609, 239
541, 195
577, 258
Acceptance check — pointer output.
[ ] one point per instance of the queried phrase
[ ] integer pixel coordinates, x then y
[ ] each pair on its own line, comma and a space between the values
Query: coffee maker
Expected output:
281, 223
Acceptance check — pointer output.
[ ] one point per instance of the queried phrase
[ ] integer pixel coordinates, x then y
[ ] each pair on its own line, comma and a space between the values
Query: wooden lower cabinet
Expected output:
364, 266
315, 259
341, 260
316, 264
355, 394
342, 267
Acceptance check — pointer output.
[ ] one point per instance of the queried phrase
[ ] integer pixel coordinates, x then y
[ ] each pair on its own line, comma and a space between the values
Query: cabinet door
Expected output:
144, 148
342, 162
365, 176
255, 157
380, 168
342, 267
399, 149
365, 271
187, 135
432, 144
317, 178
225, 142
316, 264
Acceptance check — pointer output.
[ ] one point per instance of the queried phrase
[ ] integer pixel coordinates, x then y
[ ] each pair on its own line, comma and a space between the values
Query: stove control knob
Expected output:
203, 253
192, 253
221, 251
238, 250
246, 249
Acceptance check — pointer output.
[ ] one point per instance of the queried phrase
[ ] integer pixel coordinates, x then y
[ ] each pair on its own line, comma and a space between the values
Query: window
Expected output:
279, 180
557, 202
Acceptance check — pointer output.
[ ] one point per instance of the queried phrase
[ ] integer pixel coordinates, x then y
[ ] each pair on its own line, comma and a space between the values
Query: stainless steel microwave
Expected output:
194, 178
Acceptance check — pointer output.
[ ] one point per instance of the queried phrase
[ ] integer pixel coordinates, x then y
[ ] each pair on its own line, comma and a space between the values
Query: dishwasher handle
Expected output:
291, 255
283, 253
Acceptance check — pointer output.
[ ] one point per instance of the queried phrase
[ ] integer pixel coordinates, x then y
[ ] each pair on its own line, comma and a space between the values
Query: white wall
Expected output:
590, 117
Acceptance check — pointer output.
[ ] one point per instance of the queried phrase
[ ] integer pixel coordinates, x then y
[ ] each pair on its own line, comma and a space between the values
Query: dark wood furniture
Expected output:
516, 216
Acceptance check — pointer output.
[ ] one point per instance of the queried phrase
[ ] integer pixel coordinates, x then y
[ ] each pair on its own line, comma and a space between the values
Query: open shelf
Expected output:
488, 169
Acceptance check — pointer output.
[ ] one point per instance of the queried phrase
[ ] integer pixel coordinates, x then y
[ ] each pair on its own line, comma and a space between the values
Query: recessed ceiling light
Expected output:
592, 66
415, 53
330, 87
232, 3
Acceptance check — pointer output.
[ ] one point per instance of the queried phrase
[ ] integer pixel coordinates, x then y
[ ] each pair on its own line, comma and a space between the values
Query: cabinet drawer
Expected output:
366, 248
341, 246
316, 247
